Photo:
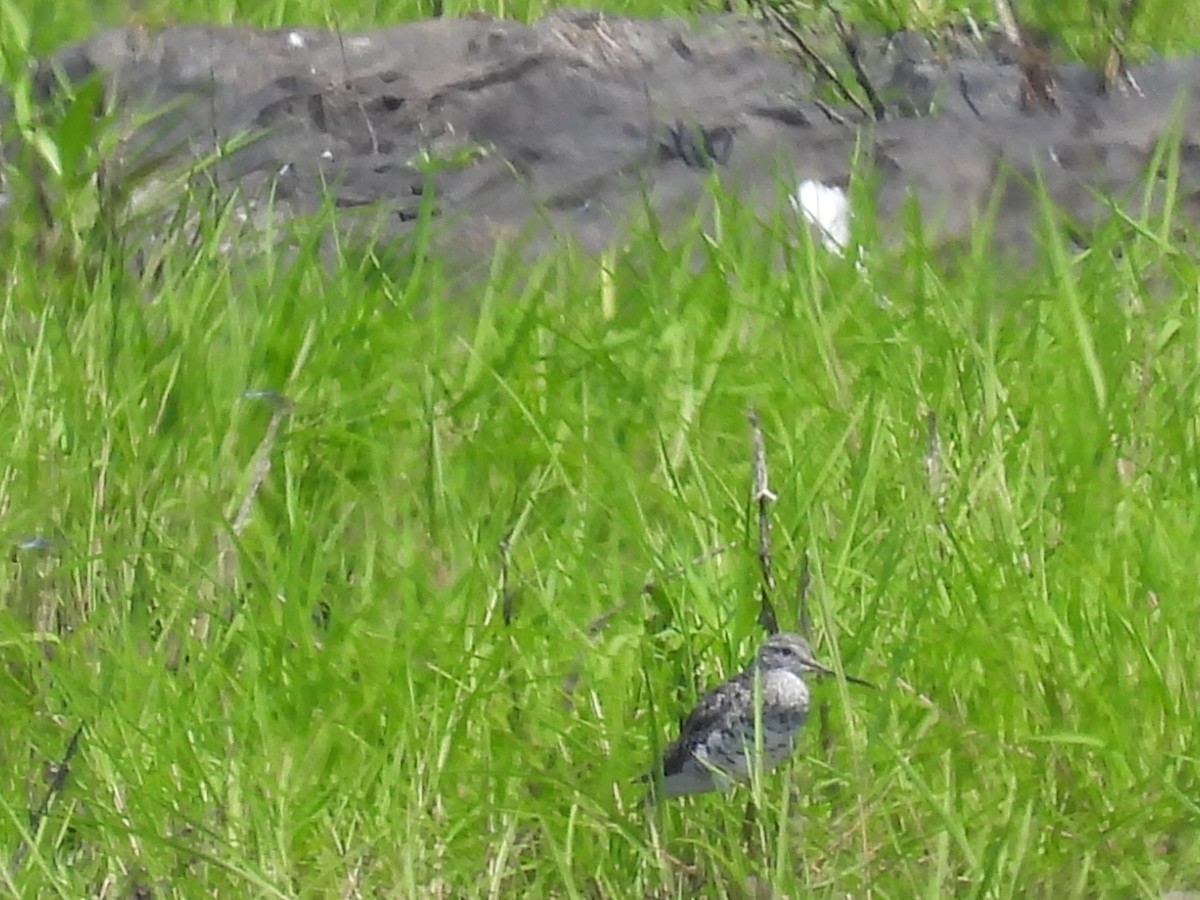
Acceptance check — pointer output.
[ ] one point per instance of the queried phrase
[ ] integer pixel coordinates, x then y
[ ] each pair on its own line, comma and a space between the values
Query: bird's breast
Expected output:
785, 691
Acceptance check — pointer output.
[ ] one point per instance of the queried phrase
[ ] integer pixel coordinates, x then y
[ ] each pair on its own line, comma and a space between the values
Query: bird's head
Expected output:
791, 652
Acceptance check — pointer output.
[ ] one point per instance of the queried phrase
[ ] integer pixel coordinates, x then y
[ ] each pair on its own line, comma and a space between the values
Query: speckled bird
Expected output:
716, 741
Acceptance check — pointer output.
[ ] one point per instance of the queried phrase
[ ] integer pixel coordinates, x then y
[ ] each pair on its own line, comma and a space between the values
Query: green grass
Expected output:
329, 702
1081, 27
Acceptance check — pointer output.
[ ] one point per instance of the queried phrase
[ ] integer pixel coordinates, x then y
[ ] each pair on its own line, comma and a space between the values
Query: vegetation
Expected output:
305, 555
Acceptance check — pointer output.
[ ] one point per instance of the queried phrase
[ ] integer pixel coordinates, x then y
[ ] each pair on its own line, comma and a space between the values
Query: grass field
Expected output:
306, 556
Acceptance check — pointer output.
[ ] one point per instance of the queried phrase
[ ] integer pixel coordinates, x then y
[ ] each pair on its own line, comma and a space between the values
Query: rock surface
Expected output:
564, 127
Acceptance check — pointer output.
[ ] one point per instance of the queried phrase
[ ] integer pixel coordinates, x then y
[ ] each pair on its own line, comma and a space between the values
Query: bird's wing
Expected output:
714, 710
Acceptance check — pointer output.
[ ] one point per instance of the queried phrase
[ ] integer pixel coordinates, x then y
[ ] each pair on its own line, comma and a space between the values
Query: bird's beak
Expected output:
855, 680
824, 670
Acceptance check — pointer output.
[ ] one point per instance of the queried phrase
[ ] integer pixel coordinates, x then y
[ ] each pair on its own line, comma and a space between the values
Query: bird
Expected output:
716, 742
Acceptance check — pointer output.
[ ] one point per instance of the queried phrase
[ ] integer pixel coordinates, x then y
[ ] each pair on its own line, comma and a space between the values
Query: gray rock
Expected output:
563, 127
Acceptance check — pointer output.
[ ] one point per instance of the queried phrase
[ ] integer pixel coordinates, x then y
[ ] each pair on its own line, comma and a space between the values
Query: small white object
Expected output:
295, 39
328, 154
828, 208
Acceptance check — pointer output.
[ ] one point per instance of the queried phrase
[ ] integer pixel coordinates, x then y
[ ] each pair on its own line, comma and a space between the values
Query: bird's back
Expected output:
720, 732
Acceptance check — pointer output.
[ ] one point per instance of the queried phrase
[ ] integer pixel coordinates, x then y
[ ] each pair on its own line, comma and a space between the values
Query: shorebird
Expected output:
716, 743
